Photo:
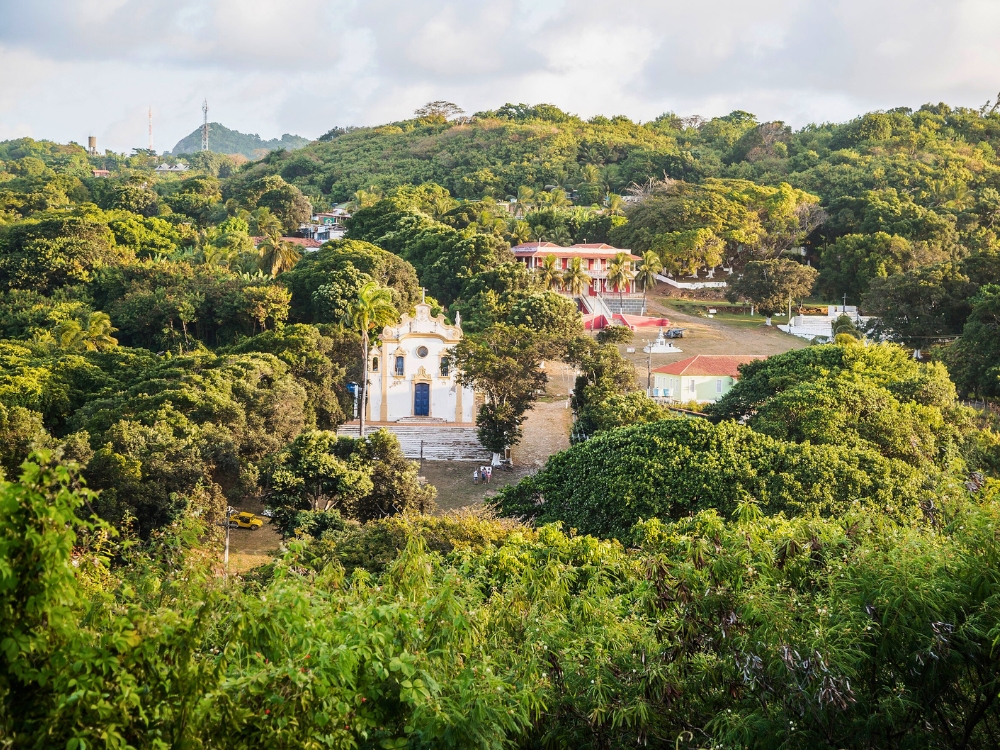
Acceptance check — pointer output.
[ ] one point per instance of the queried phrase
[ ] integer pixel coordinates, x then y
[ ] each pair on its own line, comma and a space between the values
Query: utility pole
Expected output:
150, 127
845, 303
204, 126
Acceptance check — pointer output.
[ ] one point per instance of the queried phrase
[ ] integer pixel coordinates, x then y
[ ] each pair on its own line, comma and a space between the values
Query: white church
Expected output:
409, 376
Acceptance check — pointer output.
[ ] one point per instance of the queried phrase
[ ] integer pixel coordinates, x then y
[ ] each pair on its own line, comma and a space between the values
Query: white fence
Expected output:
691, 284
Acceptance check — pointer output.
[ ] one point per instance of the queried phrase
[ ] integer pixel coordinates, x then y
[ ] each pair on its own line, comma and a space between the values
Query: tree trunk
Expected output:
364, 385
768, 321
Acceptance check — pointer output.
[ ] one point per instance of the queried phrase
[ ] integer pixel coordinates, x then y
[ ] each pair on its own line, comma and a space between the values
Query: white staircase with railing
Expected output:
597, 306
430, 441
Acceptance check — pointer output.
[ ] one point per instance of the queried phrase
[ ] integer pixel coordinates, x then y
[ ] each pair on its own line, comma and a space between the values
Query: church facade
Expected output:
410, 379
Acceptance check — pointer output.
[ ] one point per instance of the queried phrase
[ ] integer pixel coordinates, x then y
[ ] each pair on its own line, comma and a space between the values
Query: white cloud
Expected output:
303, 66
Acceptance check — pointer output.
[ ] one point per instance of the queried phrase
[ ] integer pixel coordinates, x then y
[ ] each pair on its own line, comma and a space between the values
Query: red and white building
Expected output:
595, 259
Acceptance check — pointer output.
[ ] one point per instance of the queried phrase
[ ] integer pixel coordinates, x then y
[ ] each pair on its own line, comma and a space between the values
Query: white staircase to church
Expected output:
433, 442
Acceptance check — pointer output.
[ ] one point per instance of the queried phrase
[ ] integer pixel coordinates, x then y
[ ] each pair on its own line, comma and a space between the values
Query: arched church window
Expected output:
374, 364
399, 366
445, 367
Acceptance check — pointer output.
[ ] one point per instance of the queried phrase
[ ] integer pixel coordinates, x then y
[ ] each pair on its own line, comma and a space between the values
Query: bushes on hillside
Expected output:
675, 467
753, 632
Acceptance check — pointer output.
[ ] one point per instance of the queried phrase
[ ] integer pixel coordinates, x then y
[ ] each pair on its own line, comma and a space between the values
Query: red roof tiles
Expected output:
541, 249
710, 364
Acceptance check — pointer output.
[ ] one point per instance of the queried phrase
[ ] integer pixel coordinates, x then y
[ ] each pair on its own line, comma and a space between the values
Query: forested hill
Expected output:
927, 154
222, 140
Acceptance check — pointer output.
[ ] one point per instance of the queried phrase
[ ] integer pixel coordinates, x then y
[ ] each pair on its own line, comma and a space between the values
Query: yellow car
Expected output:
246, 520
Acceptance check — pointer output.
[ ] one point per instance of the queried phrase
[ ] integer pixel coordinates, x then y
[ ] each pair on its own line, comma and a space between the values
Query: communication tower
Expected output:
150, 127
204, 126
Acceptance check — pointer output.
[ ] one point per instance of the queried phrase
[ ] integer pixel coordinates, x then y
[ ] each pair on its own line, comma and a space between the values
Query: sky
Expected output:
73, 68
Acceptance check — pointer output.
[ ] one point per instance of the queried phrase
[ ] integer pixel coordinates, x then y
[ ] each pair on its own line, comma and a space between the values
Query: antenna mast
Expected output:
204, 126
150, 127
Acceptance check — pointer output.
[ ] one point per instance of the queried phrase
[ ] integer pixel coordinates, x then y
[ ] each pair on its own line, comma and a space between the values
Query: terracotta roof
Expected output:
710, 364
542, 249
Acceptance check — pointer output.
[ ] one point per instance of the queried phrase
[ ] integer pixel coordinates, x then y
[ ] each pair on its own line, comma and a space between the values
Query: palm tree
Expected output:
263, 223
550, 273
620, 274
560, 236
365, 198
216, 255
94, 335
371, 310
525, 199
575, 279
557, 198
646, 275
614, 203
278, 255
520, 232
442, 205
590, 173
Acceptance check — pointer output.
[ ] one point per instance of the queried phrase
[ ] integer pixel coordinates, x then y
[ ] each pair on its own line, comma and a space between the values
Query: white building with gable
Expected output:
409, 378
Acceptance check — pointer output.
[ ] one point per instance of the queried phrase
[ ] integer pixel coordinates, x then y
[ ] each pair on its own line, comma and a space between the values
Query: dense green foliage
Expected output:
764, 633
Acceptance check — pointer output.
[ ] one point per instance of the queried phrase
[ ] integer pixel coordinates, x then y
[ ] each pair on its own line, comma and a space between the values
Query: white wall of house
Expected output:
701, 388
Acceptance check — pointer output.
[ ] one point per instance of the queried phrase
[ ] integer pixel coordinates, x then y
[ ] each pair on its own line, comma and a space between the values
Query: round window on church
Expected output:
421, 351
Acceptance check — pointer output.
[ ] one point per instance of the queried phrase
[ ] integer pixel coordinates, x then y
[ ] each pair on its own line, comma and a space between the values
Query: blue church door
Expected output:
421, 399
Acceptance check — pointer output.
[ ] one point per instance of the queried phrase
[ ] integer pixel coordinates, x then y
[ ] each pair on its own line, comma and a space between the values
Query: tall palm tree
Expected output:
525, 199
550, 273
590, 173
370, 311
278, 255
620, 274
575, 279
646, 275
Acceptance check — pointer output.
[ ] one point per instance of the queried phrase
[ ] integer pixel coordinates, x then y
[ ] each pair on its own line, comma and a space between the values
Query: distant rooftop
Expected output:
591, 250
710, 364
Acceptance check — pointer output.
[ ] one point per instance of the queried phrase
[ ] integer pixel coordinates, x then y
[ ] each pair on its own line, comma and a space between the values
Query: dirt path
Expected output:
546, 431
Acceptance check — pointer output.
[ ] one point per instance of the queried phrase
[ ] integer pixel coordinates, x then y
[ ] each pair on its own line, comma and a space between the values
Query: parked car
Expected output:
246, 520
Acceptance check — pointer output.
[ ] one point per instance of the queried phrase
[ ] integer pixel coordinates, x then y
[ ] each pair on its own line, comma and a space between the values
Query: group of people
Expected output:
483, 472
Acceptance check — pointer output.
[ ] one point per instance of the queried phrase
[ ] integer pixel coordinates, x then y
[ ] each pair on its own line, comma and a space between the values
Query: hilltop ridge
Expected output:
225, 141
